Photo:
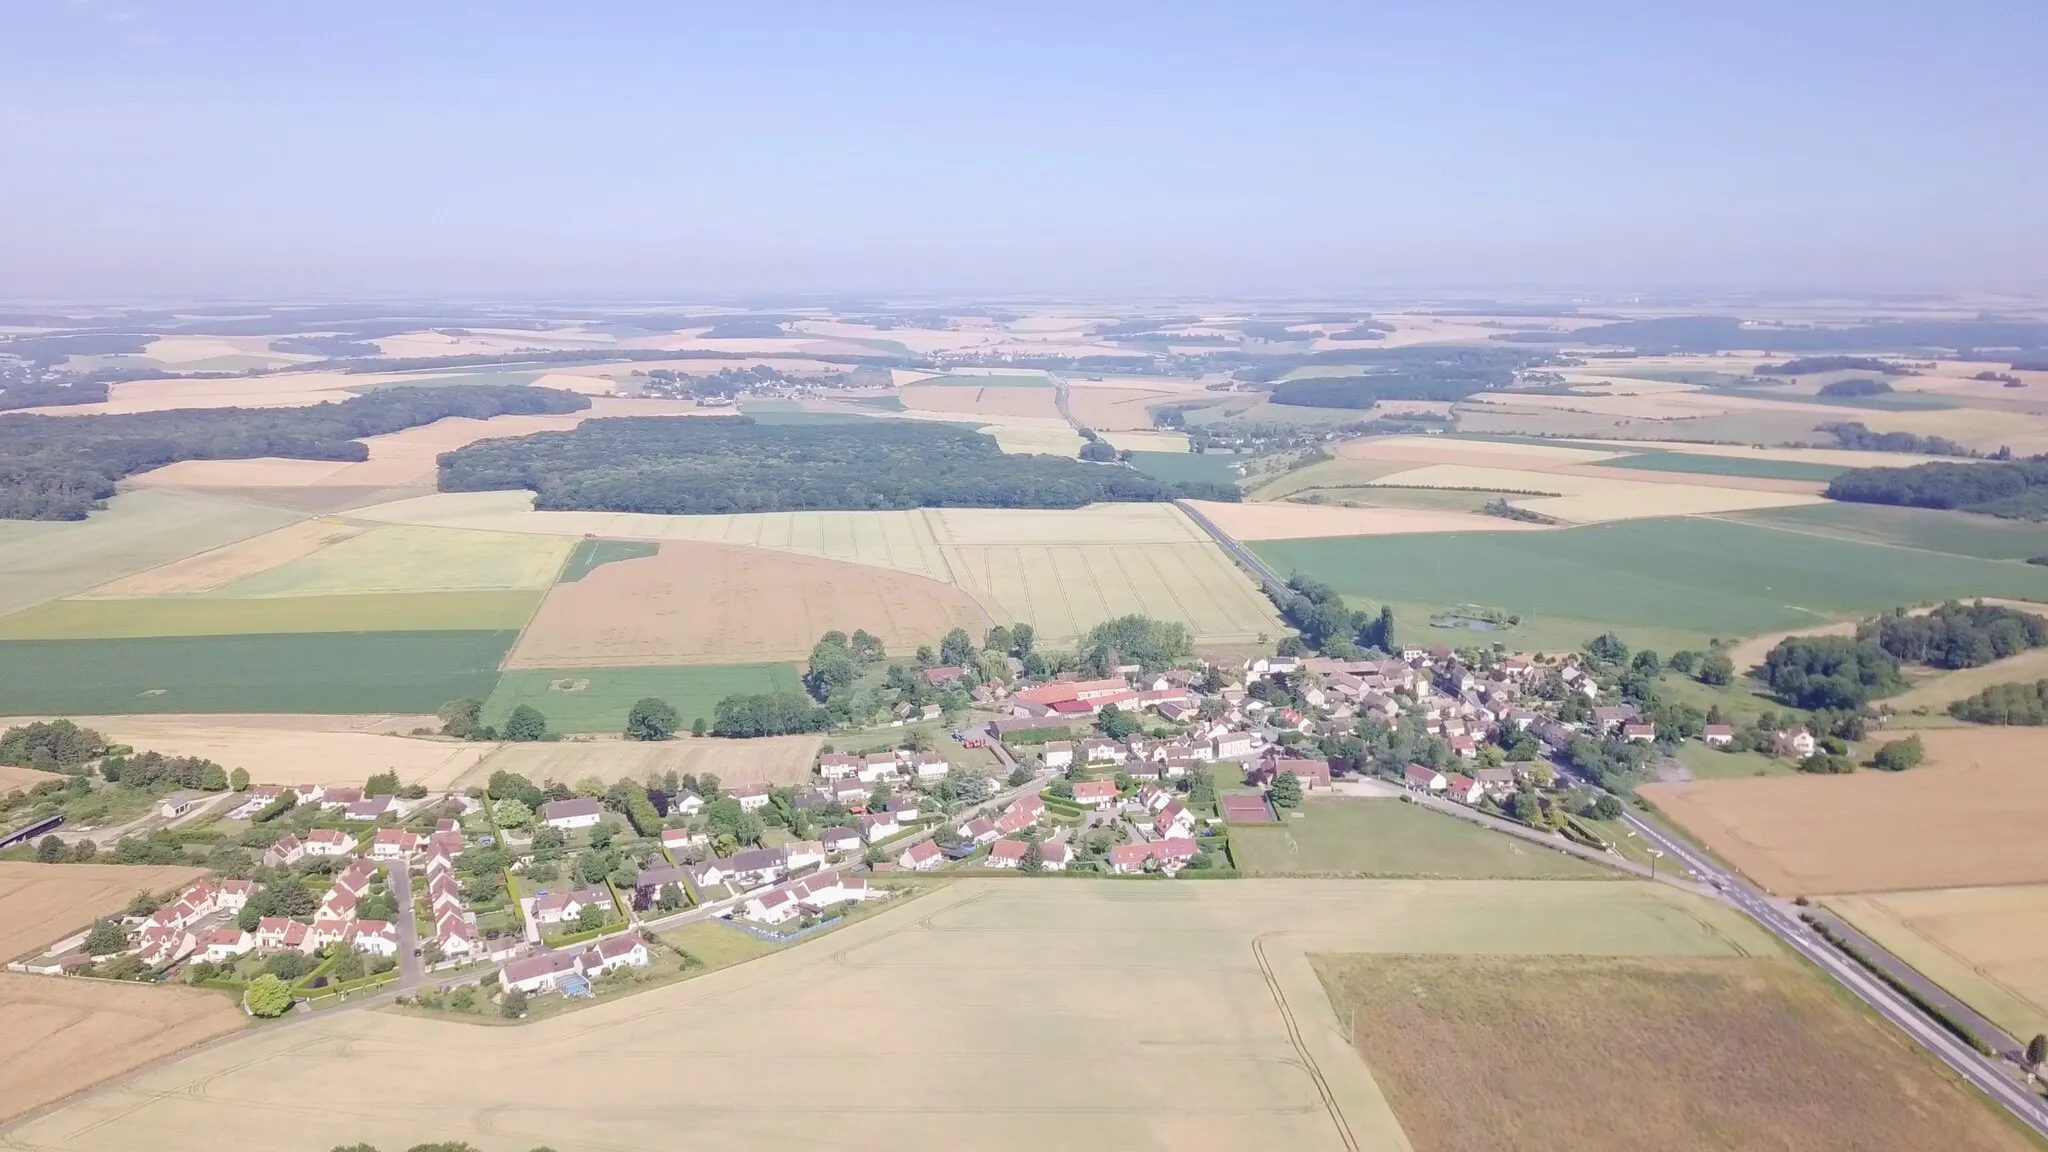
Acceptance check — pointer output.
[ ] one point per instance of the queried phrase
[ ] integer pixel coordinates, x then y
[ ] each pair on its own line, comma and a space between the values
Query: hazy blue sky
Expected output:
358, 146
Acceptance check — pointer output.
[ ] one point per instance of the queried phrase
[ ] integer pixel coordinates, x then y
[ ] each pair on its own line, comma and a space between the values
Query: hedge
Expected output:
1939, 1014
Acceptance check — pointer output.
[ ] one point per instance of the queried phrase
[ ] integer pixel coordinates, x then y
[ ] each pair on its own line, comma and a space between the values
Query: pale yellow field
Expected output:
1837, 457
1062, 570
1120, 409
987, 402
1147, 441
1935, 692
492, 341
951, 1020
1444, 450
1035, 439
770, 760
210, 570
1285, 521
1667, 404
1587, 499
179, 350
1987, 946
289, 749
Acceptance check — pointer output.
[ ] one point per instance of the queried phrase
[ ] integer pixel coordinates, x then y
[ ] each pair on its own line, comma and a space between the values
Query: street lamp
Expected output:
1653, 862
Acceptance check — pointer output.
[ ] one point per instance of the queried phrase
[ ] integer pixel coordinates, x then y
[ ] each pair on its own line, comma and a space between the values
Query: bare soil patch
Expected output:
715, 603
59, 1036
210, 570
1278, 521
40, 903
1686, 1054
1969, 816
771, 760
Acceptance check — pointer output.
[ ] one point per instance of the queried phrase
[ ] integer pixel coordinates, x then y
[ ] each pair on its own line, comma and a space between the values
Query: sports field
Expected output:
1696, 576
1689, 1054
1387, 838
597, 699
171, 616
769, 760
721, 604
333, 672
1987, 946
996, 983
1967, 817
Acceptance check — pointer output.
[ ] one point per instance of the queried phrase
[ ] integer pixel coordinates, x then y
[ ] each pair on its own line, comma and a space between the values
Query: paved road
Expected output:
1989, 1075
411, 968
1239, 552
2008, 1045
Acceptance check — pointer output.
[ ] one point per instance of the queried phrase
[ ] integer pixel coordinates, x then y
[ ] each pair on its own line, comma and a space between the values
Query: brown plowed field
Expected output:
60, 1036
1970, 816
42, 903
721, 604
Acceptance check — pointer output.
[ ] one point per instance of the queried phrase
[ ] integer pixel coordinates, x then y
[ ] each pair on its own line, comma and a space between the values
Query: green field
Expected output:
186, 616
412, 559
1173, 467
590, 554
1372, 838
1687, 578
1726, 466
1961, 533
605, 696
327, 672
44, 559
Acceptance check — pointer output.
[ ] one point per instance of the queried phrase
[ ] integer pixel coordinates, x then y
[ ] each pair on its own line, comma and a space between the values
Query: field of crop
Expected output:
58, 1037
1039, 380
1693, 576
12, 778
1790, 1063
1115, 409
716, 603
1317, 524
1986, 946
302, 749
993, 402
597, 699
1232, 1044
403, 559
1586, 497
593, 554
333, 672
1969, 816
1934, 692
1339, 473
1062, 571
770, 760
212, 569
41, 903
1693, 463
1960, 533
1387, 838
43, 559
168, 616
1163, 443
1209, 467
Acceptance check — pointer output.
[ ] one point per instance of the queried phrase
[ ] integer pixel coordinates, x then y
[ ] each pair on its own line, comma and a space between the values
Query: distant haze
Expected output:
336, 148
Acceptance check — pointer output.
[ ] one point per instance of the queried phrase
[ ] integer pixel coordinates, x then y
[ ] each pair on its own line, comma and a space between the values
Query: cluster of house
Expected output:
884, 767
350, 802
571, 970
809, 895
200, 925
455, 930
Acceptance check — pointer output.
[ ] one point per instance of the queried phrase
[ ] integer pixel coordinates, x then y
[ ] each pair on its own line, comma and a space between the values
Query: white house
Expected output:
1094, 793
568, 815
1421, 779
175, 805
225, 944
560, 907
752, 797
329, 842
773, 906
394, 844
376, 937
626, 950
1059, 754
536, 974
878, 826
686, 804
800, 854
1234, 744
839, 841
922, 856
1174, 821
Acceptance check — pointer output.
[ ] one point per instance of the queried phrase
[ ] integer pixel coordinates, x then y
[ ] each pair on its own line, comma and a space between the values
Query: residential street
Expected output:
411, 967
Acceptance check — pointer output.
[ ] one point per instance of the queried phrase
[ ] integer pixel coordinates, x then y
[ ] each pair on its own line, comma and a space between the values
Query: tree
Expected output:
1646, 663
956, 648
1000, 640
526, 724
383, 783
1287, 790
1716, 669
697, 726
239, 779
268, 997
1607, 648
1118, 724
461, 718
1899, 755
652, 719
1034, 857
513, 1004
50, 850
1607, 808
1684, 661
2037, 1051
105, 937
670, 898
1020, 776
511, 813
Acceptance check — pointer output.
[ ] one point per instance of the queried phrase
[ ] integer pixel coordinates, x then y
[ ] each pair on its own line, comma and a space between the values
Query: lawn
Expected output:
1682, 1054
1173, 467
182, 616
1691, 577
1726, 466
597, 699
1391, 838
1961, 533
1707, 763
333, 672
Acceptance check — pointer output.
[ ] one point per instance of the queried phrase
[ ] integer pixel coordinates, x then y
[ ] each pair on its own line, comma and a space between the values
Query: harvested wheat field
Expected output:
1686, 1053
60, 1037
787, 760
1935, 692
1037, 438
986, 402
1969, 816
210, 570
1122, 409
294, 749
1488, 453
1986, 946
723, 604
959, 1009
1589, 499
41, 903
1147, 441
13, 779
1282, 521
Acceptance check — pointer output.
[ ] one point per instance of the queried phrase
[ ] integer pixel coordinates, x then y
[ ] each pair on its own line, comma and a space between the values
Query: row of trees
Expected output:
51, 745
1956, 635
668, 465
1854, 435
2016, 703
62, 467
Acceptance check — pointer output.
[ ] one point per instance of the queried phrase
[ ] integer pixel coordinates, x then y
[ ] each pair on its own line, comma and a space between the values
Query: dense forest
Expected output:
1859, 386
1855, 436
1956, 635
689, 465
62, 467
2015, 703
1730, 334
52, 393
1831, 672
1418, 373
2015, 489
1809, 365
